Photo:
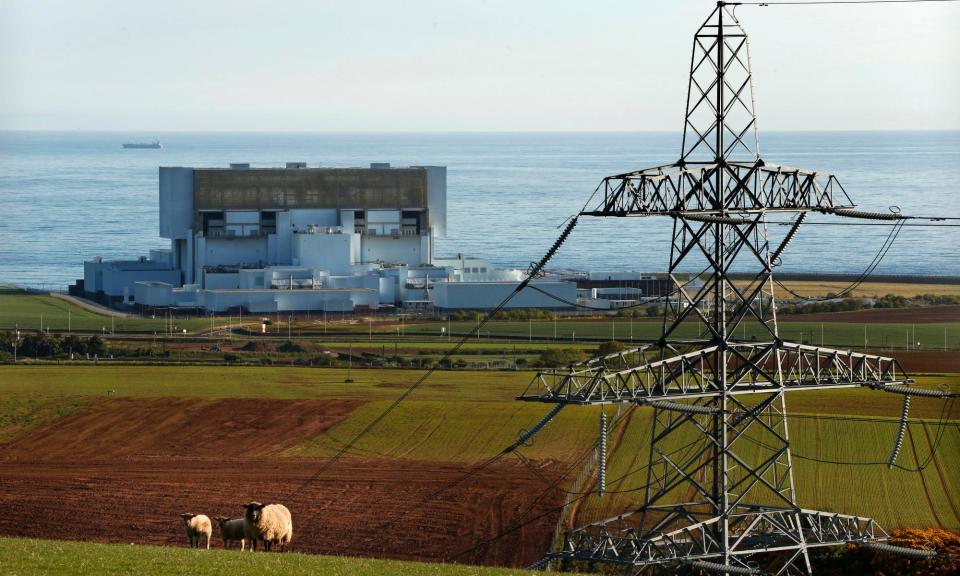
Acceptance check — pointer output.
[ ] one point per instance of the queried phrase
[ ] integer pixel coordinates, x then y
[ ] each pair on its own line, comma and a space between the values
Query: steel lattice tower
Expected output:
722, 500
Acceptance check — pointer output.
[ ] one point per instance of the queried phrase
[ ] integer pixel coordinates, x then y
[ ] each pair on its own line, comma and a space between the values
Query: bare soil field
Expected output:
927, 315
124, 469
938, 362
112, 429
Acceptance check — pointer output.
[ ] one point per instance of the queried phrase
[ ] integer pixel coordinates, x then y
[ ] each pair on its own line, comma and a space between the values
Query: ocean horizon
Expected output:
69, 196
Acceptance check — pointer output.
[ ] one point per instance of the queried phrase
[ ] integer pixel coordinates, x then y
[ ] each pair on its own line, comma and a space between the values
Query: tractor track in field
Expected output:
923, 481
943, 478
591, 482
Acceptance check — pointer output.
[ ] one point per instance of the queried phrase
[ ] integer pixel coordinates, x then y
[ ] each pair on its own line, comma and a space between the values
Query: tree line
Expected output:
39, 344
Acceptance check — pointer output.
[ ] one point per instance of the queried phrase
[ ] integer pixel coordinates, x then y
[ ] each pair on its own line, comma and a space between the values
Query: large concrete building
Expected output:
299, 238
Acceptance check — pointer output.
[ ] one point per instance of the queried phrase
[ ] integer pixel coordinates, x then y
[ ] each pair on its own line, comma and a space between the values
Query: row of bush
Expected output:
41, 344
519, 314
832, 303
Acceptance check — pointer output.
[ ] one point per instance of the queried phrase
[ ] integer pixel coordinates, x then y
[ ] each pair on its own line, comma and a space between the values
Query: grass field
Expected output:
26, 311
29, 557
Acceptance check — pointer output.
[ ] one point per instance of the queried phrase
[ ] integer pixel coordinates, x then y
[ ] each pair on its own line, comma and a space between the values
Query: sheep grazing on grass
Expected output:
231, 531
197, 525
270, 523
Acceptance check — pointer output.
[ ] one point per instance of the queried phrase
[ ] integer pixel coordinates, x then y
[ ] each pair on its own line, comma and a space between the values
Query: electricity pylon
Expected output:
730, 494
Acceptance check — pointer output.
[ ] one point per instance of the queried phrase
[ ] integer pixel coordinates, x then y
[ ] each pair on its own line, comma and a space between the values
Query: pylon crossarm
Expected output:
690, 188
828, 528
631, 356
751, 528
750, 371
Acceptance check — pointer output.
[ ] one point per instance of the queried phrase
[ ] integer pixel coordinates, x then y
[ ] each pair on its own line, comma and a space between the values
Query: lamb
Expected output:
271, 523
231, 531
197, 525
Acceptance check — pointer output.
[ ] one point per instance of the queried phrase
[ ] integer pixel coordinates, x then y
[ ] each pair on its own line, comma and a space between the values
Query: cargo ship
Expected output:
155, 144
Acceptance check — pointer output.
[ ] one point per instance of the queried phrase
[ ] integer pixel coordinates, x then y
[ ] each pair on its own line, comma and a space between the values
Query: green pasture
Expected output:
30, 557
28, 312
839, 466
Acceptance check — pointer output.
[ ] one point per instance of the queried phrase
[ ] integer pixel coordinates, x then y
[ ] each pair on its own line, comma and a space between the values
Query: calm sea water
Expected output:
67, 197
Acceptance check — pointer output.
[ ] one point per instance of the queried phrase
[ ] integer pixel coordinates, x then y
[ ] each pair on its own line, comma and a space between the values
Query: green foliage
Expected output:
844, 305
231, 358
640, 312
557, 357
891, 301
518, 314
610, 347
290, 347
324, 360
858, 560
938, 299
96, 346
43, 345
883, 302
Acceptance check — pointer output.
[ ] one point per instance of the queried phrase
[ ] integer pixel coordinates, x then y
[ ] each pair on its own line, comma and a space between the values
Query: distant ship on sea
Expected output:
155, 144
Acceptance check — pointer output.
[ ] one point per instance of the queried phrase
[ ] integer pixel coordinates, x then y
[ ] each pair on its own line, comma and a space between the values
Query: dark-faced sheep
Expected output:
197, 526
270, 523
231, 531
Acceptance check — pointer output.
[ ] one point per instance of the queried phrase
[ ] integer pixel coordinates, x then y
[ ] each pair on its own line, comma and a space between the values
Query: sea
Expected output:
66, 197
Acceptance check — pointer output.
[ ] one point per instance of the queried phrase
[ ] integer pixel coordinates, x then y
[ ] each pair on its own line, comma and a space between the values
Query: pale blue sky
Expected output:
499, 65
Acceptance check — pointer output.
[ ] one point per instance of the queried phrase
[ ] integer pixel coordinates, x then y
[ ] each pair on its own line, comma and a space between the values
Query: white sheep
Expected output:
231, 531
197, 525
270, 523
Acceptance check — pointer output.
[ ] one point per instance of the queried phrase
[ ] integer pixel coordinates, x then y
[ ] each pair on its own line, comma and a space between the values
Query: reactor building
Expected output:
308, 239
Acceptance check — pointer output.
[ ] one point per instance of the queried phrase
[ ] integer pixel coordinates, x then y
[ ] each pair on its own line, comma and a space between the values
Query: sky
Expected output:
452, 65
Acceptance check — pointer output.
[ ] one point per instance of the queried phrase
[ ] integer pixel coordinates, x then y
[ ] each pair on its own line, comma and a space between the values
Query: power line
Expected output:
871, 267
867, 224
942, 425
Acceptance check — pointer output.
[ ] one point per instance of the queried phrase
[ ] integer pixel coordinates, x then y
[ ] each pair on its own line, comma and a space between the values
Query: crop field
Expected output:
105, 444
819, 288
31, 557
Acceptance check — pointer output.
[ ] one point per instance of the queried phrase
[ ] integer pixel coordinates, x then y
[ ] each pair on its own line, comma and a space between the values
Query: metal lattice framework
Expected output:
721, 501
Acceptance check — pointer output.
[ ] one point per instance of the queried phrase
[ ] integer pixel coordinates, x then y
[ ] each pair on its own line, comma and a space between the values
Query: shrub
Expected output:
290, 347
258, 346
610, 347
859, 560
96, 346
231, 358
555, 358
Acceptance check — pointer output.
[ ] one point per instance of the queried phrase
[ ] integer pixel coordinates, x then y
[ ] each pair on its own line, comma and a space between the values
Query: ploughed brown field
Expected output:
123, 469
927, 361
